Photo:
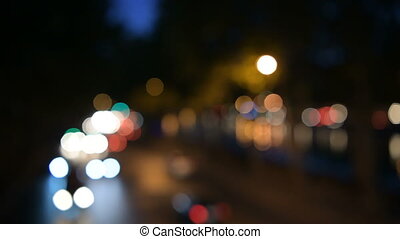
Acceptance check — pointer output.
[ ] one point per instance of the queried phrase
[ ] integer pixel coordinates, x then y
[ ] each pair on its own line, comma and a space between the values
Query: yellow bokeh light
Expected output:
266, 65
278, 134
102, 102
187, 118
170, 124
273, 102
154, 87
244, 104
394, 113
261, 134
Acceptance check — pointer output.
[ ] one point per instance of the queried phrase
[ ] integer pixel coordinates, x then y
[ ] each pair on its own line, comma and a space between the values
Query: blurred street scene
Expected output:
161, 111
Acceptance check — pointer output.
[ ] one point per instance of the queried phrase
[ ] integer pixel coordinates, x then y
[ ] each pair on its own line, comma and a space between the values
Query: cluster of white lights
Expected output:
106, 122
78, 145
71, 142
75, 143
92, 143
83, 198
108, 168
88, 128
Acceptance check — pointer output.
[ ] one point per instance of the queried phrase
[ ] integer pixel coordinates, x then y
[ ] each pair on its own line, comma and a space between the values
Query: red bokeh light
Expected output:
116, 143
126, 127
325, 117
198, 214
135, 134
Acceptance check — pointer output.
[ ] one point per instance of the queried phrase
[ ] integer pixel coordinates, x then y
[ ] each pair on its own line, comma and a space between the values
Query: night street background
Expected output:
216, 111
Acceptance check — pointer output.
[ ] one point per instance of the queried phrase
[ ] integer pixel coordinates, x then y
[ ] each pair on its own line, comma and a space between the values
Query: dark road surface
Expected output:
256, 191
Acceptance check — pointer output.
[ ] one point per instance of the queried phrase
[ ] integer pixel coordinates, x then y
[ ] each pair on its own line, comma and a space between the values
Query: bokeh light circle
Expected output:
310, 117
198, 214
83, 197
102, 102
94, 144
338, 113
62, 200
273, 102
71, 141
59, 167
394, 113
122, 108
137, 119
154, 87
105, 122
116, 143
112, 168
266, 65
244, 104
181, 202
170, 124
187, 118
88, 127
95, 169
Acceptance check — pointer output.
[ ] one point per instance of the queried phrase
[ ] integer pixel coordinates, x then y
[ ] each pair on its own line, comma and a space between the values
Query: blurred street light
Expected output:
266, 65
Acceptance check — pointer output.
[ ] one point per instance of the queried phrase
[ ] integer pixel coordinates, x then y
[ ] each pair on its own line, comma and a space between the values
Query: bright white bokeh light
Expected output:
94, 144
71, 155
112, 168
95, 169
62, 199
105, 122
338, 113
59, 167
394, 113
266, 65
83, 197
88, 127
310, 117
72, 142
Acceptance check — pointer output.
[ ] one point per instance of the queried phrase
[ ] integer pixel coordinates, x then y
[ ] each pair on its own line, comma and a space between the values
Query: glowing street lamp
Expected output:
266, 65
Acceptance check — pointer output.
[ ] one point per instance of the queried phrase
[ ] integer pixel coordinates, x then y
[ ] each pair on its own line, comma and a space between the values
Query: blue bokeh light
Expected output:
137, 17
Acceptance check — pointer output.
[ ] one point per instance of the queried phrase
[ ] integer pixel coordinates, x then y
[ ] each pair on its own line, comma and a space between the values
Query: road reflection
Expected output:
111, 203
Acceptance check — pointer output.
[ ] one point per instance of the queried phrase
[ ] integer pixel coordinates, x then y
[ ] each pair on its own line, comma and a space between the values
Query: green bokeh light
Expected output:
121, 107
